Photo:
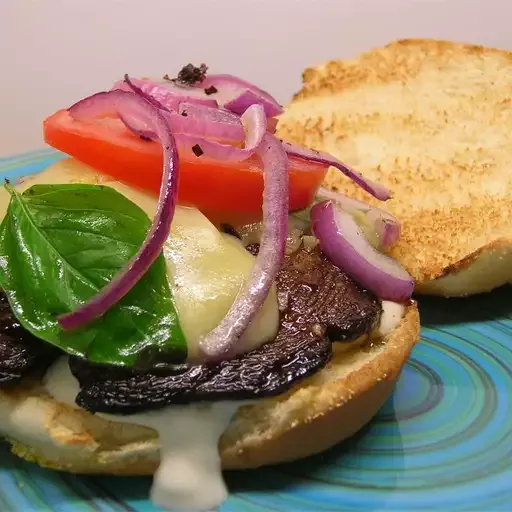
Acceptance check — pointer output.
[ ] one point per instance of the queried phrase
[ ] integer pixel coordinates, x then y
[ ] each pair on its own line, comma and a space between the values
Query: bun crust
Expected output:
323, 410
431, 120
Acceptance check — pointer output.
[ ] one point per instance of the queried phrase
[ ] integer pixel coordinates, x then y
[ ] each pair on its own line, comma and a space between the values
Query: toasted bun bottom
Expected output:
480, 272
322, 411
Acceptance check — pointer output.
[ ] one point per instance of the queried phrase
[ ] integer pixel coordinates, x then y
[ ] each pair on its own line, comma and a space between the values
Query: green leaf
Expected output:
59, 245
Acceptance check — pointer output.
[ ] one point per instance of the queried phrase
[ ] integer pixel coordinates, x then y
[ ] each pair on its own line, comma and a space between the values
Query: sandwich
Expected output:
431, 120
176, 300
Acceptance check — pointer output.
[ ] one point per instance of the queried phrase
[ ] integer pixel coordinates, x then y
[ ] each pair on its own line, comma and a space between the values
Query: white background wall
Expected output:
53, 52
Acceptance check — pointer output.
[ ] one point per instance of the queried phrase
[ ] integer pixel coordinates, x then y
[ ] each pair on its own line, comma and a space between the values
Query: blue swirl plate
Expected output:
442, 442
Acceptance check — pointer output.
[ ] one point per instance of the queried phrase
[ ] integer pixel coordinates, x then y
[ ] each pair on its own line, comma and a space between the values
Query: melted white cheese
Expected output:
392, 314
189, 476
206, 268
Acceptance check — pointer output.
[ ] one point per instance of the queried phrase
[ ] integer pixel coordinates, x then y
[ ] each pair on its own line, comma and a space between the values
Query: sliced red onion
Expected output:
208, 122
131, 104
343, 242
132, 87
375, 189
167, 94
349, 204
255, 126
198, 146
220, 115
194, 94
222, 340
196, 120
138, 127
385, 225
246, 98
237, 102
272, 124
210, 114
237, 95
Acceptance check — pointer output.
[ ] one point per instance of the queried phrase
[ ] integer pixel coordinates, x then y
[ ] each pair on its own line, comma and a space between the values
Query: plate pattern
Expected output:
442, 442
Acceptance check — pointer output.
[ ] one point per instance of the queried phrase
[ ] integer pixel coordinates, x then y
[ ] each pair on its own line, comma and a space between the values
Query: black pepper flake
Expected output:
210, 90
189, 75
143, 137
197, 150
184, 114
230, 230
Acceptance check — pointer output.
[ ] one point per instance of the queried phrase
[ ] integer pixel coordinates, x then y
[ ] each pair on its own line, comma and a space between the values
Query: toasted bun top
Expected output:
431, 120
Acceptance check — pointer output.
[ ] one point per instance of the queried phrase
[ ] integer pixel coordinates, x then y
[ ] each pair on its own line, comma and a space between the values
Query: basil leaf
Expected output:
59, 245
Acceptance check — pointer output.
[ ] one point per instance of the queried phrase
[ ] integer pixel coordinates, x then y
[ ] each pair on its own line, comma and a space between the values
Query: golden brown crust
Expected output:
431, 120
399, 60
322, 411
334, 404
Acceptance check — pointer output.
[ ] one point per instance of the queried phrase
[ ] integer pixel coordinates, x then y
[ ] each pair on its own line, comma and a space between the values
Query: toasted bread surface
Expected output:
431, 120
320, 412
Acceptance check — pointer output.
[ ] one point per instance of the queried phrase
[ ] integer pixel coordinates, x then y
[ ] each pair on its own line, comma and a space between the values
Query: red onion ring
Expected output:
255, 126
222, 340
232, 93
205, 112
200, 121
210, 114
388, 230
191, 119
168, 95
208, 122
272, 124
386, 226
151, 248
237, 95
132, 87
343, 242
246, 98
375, 189
220, 115
190, 145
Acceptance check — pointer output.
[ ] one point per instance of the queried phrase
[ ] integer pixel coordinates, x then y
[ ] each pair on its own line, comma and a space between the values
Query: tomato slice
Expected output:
224, 192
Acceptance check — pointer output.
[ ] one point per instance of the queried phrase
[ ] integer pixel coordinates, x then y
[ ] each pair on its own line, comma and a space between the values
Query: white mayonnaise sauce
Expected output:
189, 477
392, 314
